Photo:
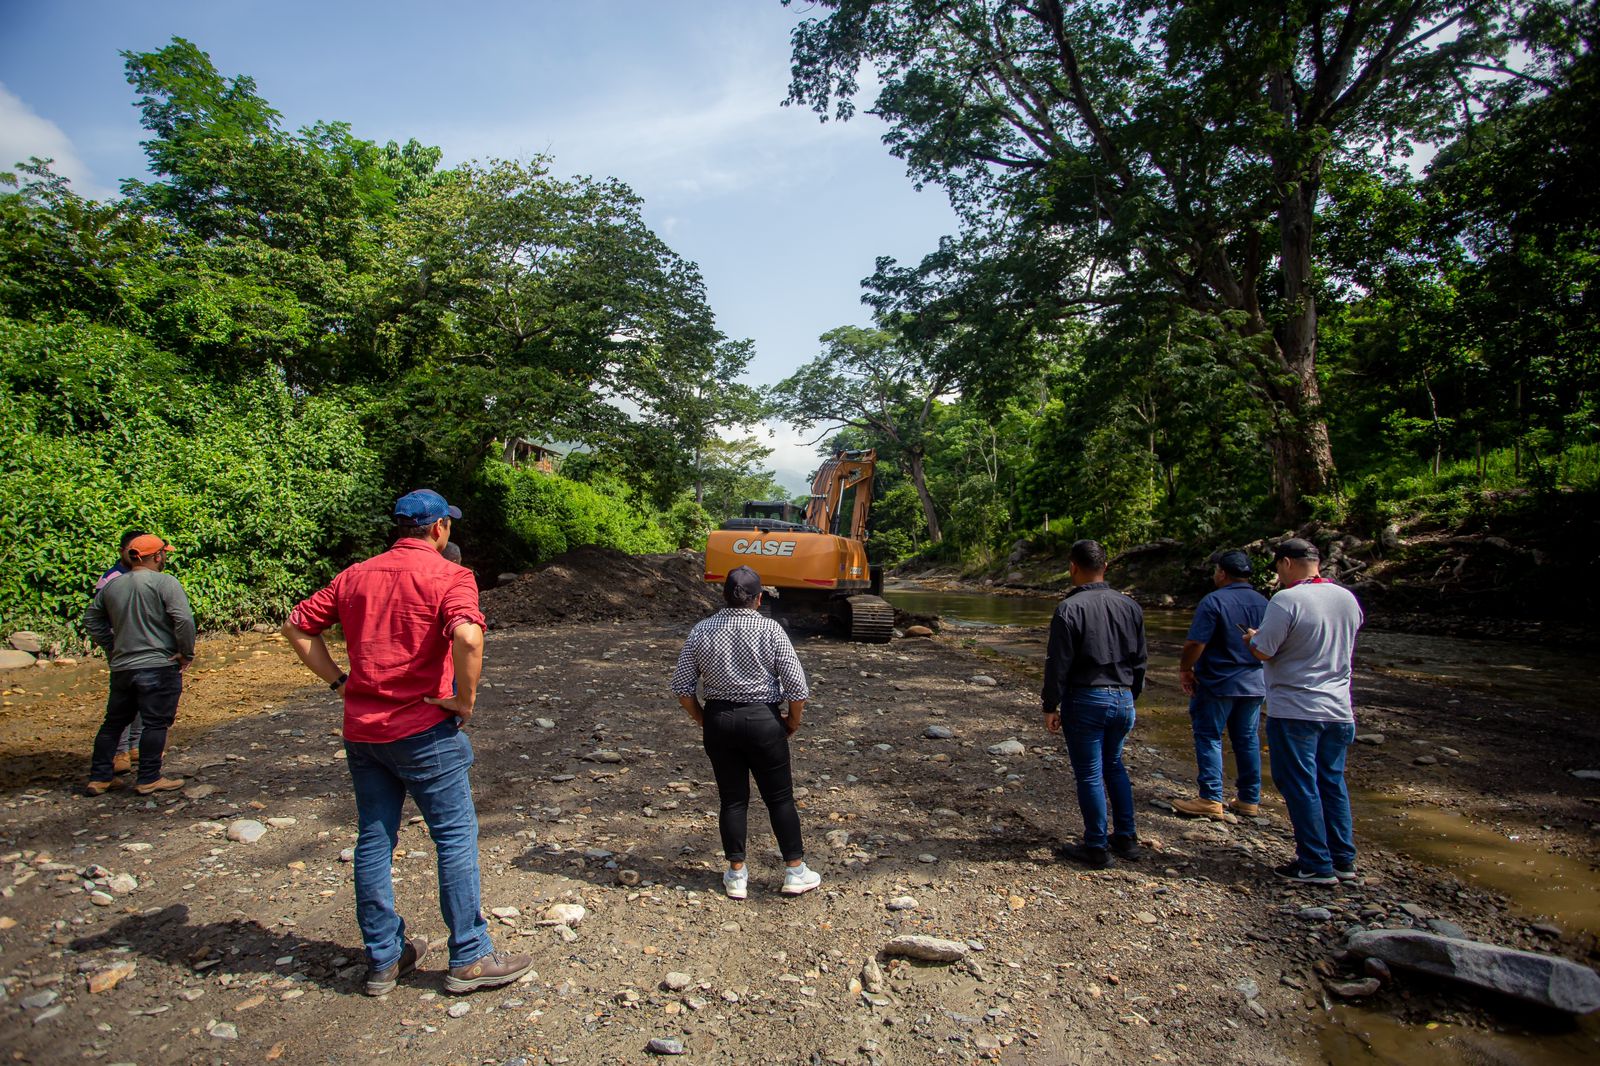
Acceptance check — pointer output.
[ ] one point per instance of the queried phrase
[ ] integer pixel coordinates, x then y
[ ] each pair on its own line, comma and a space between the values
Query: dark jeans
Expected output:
1308, 768
745, 739
1095, 722
432, 768
148, 694
1238, 716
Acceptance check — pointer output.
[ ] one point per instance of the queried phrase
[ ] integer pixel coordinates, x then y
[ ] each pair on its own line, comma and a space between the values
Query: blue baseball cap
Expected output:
422, 508
1235, 563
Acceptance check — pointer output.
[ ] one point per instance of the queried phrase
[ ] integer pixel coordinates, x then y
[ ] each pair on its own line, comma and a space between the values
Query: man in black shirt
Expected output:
1094, 670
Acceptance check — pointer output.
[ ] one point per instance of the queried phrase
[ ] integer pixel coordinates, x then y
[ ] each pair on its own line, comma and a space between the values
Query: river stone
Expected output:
1008, 748
10, 659
902, 903
1366, 986
28, 641
1445, 927
122, 884
1587, 775
224, 1031
602, 755
983, 681
918, 631
1371, 738
199, 792
564, 914
926, 948
664, 1045
939, 732
544, 723
1546, 980
246, 831
107, 979
676, 981
459, 1010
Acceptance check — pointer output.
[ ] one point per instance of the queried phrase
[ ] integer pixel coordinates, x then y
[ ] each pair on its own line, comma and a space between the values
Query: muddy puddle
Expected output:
1537, 882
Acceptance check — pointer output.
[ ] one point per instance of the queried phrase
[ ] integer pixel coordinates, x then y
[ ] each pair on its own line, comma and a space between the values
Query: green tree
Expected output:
1111, 154
867, 380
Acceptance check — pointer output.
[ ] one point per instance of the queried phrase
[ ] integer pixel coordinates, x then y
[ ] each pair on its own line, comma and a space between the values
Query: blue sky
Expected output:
678, 98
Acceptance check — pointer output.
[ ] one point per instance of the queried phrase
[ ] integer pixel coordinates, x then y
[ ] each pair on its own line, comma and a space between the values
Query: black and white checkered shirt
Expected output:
741, 656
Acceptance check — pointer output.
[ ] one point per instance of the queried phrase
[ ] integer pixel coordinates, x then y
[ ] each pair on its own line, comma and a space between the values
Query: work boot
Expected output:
382, 982
121, 763
1245, 810
99, 788
1093, 858
1200, 808
491, 971
160, 784
1127, 849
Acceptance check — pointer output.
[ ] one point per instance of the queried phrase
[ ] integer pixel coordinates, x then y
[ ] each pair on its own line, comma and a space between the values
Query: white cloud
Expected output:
794, 455
24, 133
727, 137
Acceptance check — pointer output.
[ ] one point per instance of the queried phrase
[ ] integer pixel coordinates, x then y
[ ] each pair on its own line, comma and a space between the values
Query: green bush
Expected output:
546, 514
261, 492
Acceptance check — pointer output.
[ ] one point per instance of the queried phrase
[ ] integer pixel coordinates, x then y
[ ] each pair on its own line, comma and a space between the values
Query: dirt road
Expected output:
588, 770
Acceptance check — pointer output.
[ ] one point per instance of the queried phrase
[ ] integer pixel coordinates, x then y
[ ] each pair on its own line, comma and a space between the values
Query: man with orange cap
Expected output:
144, 623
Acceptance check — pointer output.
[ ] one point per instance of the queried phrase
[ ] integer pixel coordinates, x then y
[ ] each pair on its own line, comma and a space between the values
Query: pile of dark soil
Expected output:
593, 584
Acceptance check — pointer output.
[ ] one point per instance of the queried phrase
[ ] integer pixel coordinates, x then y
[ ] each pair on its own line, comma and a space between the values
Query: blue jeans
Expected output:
1308, 768
1095, 722
432, 768
150, 695
1238, 715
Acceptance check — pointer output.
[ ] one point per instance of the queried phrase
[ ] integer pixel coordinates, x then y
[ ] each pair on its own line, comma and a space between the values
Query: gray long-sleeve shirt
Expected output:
142, 620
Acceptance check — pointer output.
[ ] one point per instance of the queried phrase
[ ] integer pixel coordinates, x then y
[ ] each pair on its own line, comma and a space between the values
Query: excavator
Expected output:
813, 566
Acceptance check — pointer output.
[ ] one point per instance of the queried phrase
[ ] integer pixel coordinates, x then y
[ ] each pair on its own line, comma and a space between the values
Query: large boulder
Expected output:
1546, 980
11, 659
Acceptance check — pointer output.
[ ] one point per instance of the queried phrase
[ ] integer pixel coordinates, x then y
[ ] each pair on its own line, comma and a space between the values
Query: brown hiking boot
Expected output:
160, 784
121, 763
491, 971
100, 788
382, 982
1199, 808
1247, 810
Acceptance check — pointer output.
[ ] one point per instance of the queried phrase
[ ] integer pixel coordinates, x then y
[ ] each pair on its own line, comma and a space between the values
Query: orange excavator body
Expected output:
818, 565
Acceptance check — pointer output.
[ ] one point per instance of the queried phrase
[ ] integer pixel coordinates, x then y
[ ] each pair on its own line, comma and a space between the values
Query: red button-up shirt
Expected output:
398, 610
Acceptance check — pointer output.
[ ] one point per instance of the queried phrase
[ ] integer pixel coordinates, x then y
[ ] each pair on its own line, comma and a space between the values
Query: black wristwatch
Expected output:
342, 679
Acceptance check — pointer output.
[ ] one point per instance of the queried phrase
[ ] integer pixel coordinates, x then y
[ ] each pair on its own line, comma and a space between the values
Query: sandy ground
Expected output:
249, 952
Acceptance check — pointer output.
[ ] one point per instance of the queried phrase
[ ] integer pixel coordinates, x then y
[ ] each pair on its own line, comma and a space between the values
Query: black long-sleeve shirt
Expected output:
1096, 638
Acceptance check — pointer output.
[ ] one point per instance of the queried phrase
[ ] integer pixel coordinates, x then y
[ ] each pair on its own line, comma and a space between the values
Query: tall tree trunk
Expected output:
919, 478
1302, 454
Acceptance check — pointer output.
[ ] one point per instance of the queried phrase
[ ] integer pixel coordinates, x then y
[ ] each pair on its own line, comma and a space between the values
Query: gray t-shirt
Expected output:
1310, 632
142, 620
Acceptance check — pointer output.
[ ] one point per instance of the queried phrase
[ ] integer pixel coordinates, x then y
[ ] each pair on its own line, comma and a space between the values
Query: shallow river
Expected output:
1537, 882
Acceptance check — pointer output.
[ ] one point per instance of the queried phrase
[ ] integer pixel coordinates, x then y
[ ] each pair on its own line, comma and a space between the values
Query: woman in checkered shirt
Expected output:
748, 670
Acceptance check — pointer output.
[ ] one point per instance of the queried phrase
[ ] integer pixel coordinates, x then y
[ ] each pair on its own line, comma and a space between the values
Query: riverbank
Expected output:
244, 952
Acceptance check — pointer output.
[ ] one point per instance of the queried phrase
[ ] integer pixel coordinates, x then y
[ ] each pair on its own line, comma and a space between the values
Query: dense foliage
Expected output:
255, 351
1204, 285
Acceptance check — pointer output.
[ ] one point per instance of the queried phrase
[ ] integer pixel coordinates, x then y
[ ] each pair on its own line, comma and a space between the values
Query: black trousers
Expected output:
747, 740
150, 694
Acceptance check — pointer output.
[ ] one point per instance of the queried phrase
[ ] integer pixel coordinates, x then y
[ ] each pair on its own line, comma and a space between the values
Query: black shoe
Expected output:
1291, 871
1093, 858
382, 982
1127, 850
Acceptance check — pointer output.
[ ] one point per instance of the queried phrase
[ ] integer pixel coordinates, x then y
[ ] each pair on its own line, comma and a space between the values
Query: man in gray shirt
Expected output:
144, 623
1307, 638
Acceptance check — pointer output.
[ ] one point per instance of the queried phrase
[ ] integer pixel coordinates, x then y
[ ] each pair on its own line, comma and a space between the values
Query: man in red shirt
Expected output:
414, 634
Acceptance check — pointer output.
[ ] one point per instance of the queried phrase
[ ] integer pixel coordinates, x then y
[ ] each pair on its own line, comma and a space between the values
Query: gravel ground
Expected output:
593, 790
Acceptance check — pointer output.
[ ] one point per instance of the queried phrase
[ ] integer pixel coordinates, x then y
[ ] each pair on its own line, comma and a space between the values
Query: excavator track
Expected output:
871, 619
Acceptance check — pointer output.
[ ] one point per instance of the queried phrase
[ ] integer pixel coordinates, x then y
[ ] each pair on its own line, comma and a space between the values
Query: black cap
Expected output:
1295, 548
1234, 563
742, 586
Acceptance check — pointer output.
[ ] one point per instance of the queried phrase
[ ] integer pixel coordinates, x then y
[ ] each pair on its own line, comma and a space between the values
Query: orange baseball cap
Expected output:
147, 545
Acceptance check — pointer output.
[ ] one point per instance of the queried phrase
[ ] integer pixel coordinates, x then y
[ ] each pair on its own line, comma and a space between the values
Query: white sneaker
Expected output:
736, 883
798, 879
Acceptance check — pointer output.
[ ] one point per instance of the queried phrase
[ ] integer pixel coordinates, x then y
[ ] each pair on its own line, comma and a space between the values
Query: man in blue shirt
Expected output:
1225, 687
